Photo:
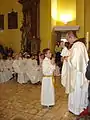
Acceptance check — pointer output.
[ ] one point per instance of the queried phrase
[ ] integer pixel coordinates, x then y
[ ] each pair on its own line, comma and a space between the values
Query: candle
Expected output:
87, 40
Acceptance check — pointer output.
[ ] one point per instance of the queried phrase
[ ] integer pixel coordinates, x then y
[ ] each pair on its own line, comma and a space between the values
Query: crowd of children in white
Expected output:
24, 68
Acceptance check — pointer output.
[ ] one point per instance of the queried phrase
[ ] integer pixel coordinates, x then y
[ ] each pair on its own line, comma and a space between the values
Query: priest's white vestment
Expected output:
47, 89
73, 78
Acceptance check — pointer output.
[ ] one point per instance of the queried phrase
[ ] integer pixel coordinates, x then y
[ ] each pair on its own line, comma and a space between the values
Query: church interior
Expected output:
30, 26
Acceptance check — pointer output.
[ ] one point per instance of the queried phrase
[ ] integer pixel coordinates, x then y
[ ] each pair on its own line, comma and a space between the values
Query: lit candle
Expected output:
87, 40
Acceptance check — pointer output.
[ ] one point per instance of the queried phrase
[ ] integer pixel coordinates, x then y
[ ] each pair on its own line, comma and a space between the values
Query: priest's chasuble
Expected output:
73, 78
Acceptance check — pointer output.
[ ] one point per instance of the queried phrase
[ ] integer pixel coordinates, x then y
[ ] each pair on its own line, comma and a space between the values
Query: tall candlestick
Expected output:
87, 40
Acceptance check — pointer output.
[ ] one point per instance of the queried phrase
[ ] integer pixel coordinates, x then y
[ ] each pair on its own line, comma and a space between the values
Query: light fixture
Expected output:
65, 18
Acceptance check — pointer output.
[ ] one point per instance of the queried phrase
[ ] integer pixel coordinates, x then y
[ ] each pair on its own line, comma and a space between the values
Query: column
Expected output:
45, 23
80, 17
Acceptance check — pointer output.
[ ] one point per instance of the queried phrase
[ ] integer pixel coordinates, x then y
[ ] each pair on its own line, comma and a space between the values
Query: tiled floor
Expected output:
23, 103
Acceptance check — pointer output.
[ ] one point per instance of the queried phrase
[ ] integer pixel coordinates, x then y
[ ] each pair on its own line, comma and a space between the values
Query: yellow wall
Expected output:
78, 8
11, 38
83, 16
45, 23
53, 23
66, 7
80, 16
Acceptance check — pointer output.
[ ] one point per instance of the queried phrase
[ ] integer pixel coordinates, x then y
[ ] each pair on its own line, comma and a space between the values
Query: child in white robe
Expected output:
9, 63
19, 68
47, 88
65, 67
65, 50
5, 74
2, 78
23, 69
33, 71
57, 69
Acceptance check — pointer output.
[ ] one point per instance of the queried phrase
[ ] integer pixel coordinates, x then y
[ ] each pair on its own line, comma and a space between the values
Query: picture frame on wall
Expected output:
1, 22
13, 20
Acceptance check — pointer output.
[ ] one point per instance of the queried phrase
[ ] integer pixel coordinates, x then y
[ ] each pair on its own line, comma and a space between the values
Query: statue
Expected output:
26, 34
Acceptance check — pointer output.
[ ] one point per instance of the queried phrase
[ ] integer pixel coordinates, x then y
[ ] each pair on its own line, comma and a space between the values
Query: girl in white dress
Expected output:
65, 50
47, 88
9, 67
4, 71
1, 70
57, 69
33, 71
20, 68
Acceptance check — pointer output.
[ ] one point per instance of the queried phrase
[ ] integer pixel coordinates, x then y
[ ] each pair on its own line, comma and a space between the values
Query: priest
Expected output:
75, 82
